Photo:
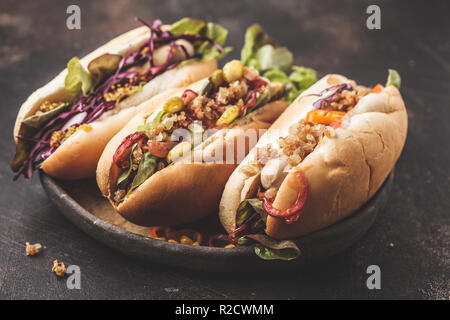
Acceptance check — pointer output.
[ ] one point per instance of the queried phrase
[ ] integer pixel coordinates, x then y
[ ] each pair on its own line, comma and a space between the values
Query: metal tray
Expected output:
82, 203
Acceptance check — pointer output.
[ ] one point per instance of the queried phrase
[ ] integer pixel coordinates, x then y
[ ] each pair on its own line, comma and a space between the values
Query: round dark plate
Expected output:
77, 201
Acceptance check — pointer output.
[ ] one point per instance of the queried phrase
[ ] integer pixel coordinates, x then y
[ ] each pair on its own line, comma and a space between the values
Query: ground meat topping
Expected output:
119, 194
347, 100
207, 109
302, 139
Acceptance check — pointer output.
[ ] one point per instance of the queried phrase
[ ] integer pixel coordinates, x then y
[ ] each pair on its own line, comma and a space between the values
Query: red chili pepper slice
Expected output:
188, 95
233, 236
258, 83
123, 151
249, 104
292, 214
155, 232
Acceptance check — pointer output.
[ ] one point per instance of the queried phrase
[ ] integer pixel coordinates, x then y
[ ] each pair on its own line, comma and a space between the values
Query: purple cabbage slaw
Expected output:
325, 101
94, 104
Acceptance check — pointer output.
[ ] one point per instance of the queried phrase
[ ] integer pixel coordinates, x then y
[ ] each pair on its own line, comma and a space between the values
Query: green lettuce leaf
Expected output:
211, 30
393, 79
255, 38
37, 120
277, 75
77, 79
187, 25
271, 249
246, 210
292, 95
259, 51
302, 77
146, 168
286, 254
103, 67
269, 57
218, 34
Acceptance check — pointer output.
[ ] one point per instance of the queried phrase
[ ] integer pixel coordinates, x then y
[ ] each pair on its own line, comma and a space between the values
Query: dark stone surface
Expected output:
326, 35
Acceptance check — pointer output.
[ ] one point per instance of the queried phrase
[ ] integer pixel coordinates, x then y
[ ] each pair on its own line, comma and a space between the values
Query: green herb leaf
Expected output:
393, 79
37, 120
77, 79
146, 168
187, 25
103, 66
271, 249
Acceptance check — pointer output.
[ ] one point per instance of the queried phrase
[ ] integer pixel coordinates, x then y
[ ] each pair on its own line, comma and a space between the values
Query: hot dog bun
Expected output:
183, 191
66, 162
343, 172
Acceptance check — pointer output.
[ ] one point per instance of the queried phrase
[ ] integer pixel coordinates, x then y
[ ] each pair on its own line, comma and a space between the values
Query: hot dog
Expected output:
325, 156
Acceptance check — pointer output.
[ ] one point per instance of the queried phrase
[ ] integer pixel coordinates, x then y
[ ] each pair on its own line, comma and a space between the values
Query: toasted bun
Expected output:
184, 191
77, 157
343, 172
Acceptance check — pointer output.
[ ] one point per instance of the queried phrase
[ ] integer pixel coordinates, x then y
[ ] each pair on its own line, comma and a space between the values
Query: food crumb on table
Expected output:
59, 268
32, 249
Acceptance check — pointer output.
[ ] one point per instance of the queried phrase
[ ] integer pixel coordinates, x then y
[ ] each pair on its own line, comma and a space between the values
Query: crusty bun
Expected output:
343, 172
185, 190
66, 162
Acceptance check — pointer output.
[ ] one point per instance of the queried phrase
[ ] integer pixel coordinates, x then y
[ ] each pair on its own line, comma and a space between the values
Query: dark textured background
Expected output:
329, 36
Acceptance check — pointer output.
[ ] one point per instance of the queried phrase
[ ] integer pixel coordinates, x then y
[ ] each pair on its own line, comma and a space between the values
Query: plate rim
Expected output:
95, 227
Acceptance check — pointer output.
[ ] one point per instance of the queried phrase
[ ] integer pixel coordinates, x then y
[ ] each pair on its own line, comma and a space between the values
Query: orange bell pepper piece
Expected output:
324, 116
378, 88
